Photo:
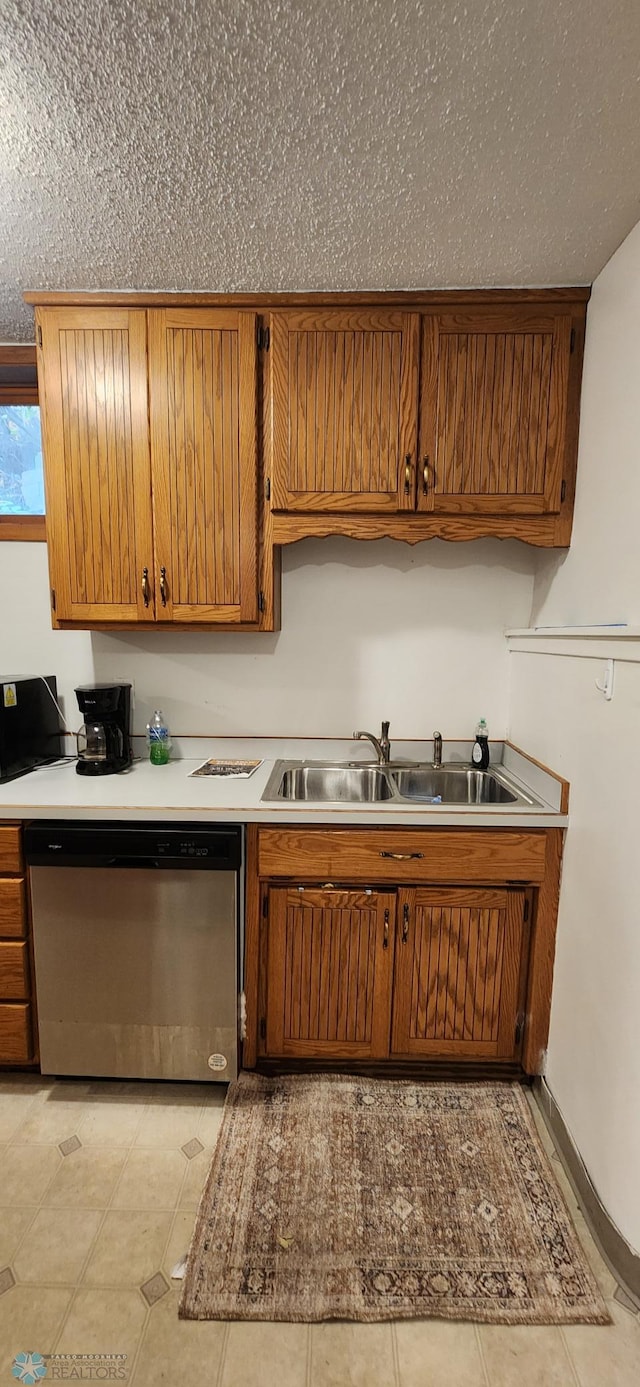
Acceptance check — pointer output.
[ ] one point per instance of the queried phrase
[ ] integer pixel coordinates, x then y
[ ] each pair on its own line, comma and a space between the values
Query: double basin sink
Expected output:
358, 783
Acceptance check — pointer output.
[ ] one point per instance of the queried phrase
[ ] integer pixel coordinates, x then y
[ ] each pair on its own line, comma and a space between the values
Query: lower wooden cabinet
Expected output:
399, 971
329, 971
16, 1040
459, 963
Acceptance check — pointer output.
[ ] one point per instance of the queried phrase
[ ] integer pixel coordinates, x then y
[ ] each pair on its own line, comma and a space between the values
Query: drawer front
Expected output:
402, 854
10, 848
15, 1033
13, 916
14, 970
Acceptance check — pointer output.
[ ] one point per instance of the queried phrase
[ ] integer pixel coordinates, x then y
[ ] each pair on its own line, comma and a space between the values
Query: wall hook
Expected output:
606, 687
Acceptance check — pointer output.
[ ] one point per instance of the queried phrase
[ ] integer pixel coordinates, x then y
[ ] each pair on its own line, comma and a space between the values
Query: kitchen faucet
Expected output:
381, 746
437, 750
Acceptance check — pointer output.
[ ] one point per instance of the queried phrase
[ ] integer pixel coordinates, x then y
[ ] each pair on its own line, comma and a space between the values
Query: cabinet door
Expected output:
458, 959
203, 395
93, 398
329, 973
493, 411
344, 410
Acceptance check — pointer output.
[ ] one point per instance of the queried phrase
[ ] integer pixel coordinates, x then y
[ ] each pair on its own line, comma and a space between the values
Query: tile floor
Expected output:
99, 1184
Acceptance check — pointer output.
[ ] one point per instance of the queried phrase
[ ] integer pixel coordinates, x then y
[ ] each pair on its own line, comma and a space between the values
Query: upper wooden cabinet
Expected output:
150, 444
493, 409
203, 404
93, 401
344, 399
187, 435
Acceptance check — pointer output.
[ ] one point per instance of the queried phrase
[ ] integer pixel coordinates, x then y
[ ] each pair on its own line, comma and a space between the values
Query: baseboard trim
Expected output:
623, 1262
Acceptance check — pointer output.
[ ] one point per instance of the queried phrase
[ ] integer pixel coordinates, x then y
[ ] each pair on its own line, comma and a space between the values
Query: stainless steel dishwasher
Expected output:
135, 931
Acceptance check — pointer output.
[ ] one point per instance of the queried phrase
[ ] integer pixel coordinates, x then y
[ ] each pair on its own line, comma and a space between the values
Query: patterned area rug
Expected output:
334, 1197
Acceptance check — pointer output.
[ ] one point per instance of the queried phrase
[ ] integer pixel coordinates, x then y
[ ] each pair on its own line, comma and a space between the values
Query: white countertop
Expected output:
169, 793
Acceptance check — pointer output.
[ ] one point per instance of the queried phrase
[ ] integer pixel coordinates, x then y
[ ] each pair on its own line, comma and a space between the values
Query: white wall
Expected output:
593, 1062
369, 630
598, 578
556, 712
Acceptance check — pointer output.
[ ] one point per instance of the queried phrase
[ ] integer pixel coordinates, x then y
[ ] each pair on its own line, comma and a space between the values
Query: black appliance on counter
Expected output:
30, 725
104, 740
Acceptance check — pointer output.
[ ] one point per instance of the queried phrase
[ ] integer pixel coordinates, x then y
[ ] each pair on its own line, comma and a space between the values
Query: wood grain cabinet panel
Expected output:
344, 410
457, 973
16, 1045
203, 402
329, 973
13, 920
493, 419
397, 855
10, 848
14, 970
92, 372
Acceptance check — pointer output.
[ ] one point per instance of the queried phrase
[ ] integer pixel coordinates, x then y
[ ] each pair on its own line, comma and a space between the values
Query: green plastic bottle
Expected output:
159, 739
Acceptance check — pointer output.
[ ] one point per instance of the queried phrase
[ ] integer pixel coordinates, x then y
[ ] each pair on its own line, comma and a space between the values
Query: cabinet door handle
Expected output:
407, 474
163, 586
146, 595
385, 942
425, 477
405, 923
402, 856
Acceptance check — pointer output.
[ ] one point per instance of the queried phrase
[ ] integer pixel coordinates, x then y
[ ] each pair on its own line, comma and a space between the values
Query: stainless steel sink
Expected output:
337, 784
319, 782
452, 785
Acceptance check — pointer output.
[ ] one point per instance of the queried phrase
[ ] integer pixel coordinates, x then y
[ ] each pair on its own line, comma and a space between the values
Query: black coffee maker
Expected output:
104, 740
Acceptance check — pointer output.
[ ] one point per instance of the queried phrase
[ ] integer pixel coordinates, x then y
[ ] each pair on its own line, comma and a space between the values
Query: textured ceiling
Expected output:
215, 144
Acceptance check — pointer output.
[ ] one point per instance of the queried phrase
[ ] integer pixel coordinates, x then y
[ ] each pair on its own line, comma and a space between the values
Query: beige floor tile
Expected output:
167, 1093
104, 1321
197, 1172
26, 1172
150, 1180
128, 1249
210, 1123
14, 1108
56, 1246
352, 1355
30, 1318
526, 1355
179, 1240
50, 1122
86, 1178
178, 1352
13, 1226
606, 1355
108, 1122
123, 1090
168, 1125
605, 1278
439, 1352
265, 1355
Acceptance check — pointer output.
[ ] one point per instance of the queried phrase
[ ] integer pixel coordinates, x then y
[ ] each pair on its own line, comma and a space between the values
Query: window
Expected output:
21, 475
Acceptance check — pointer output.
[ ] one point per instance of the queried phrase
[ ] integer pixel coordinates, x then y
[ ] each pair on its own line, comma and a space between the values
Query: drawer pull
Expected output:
402, 856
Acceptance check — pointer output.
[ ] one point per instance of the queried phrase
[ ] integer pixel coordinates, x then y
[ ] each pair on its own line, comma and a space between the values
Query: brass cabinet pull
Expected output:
402, 856
405, 923
385, 942
425, 477
407, 474
163, 586
146, 595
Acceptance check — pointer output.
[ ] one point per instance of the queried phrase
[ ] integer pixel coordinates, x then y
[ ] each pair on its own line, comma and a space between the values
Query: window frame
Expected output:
20, 527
